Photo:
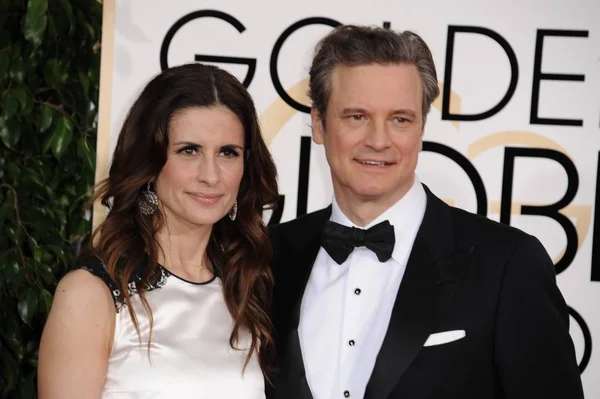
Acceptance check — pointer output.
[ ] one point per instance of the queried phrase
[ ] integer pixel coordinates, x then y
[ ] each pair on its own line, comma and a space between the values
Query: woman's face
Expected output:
205, 164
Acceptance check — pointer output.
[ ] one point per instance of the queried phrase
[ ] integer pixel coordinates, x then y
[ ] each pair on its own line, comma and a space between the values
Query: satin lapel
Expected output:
409, 325
433, 272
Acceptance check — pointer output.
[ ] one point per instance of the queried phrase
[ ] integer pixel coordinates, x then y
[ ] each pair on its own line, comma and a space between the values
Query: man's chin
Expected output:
372, 194
365, 190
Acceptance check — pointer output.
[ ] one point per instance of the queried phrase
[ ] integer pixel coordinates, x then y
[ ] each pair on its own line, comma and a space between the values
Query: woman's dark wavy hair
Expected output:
239, 250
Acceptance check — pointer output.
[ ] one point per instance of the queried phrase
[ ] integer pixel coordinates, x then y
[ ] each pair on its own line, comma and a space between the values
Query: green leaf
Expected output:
86, 152
10, 369
32, 176
45, 302
10, 104
16, 49
36, 21
11, 101
45, 272
37, 255
61, 138
66, 6
6, 212
31, 348
12, 170
32, 182
11, 269
46, 118
5, 64
9, 133
70, 189
14, 275
33, 242
37, 252
36, 219
27, 106
5, 37
26, 386
36, 8
27, 306
15, 347
85, 83
17, 69
10, 194
11, 327
15, 234
21, 96
59, 252
54, 73
47, 257
63, 201
89, 29
78, 228
47, 144
78, 206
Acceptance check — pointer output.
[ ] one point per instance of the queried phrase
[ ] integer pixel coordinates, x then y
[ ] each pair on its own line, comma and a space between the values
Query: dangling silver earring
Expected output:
147, 201
233, 211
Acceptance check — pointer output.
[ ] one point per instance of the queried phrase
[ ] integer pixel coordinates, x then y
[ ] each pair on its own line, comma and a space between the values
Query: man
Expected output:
389, 292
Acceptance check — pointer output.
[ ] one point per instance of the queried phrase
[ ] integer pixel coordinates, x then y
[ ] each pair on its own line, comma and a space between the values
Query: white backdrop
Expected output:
543, 143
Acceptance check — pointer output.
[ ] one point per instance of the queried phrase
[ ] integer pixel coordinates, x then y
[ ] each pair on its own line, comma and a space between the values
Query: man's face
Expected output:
372, 131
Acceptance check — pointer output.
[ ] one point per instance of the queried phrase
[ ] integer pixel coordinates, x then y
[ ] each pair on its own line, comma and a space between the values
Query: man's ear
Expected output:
318, 126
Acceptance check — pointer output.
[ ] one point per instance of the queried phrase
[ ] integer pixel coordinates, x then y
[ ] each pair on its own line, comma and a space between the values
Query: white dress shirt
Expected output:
346, 309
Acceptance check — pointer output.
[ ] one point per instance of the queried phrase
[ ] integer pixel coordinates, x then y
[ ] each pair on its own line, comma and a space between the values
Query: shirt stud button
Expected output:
351, 342
357, 291
346, 394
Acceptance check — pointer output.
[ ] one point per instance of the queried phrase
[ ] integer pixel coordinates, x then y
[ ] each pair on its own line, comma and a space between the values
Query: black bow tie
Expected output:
339, 241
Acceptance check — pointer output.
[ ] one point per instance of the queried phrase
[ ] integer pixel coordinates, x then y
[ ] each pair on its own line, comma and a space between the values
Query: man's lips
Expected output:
374, 162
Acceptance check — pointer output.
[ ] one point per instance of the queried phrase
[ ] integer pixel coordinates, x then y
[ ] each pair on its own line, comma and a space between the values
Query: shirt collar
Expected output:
405, 216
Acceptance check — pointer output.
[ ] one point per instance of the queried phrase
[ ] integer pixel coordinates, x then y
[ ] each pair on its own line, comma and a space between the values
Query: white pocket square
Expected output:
444, 337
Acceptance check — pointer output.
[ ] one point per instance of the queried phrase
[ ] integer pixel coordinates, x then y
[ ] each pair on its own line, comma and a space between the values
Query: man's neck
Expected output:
362, 211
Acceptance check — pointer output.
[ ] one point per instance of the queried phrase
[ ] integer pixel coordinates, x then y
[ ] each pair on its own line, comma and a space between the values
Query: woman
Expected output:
174, 302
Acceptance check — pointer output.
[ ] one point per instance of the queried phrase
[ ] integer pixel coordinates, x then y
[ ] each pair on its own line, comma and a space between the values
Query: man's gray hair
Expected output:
351, 45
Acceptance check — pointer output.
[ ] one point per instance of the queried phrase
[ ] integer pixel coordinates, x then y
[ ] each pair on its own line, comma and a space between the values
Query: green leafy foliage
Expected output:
49, 82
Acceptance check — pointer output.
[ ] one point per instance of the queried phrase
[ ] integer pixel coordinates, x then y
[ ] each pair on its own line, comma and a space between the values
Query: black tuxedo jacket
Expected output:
465, 272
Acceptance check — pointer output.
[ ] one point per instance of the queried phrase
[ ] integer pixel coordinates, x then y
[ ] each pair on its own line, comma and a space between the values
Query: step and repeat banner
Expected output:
514, 136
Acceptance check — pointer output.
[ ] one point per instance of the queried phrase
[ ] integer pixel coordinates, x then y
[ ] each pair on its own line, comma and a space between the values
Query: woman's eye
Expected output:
188, 151
229, 153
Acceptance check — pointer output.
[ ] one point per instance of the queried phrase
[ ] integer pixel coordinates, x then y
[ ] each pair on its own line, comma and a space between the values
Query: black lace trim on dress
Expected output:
98, 268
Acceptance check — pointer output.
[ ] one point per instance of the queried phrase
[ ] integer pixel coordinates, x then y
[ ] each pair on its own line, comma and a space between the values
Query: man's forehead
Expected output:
393, 86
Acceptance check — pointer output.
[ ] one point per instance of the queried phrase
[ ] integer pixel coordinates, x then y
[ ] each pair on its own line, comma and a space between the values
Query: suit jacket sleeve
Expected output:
534, 353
